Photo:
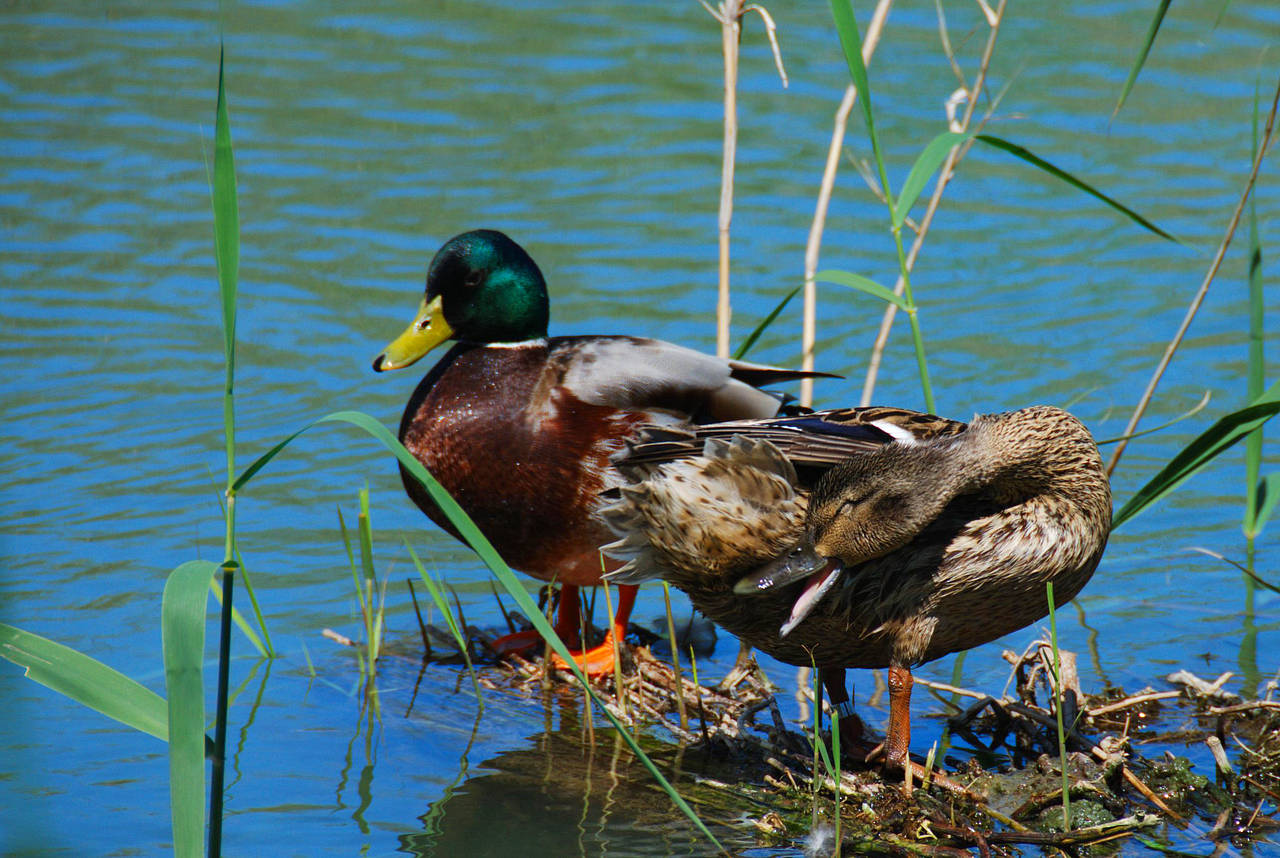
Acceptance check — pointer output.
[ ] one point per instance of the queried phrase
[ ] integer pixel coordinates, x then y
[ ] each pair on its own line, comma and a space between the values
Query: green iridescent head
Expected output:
482, 287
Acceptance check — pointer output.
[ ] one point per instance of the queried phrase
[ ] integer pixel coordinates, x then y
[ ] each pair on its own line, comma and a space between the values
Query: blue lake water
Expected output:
592, 135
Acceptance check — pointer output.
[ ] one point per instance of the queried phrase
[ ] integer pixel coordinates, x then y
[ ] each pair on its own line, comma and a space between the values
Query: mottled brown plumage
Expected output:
931, 536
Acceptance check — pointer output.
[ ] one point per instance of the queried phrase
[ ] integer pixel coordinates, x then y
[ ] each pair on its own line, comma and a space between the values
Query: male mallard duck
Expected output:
920, 536
519, 427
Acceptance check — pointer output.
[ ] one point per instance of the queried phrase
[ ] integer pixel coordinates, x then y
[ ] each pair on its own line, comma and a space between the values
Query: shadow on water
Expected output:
562, 796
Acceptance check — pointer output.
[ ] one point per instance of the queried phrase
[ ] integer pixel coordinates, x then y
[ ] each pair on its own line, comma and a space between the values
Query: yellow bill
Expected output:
425, 332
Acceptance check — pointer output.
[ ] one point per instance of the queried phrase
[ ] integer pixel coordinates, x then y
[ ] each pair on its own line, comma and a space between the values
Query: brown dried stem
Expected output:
1204, 287
730, 13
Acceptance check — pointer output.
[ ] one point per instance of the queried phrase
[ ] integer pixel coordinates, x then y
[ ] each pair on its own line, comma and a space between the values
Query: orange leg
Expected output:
567, 622
599, 660
897, 739
568, 616
897, 742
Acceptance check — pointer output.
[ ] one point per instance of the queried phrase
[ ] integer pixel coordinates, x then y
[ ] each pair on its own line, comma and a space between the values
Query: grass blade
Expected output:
226, 220
182, 765
1209, 445
925, 166
1036, 161
243, 624
86, 680
1142, 55
851, 44
760, 328
442, 604
351, 562
1268, 493
183, 617
862, 284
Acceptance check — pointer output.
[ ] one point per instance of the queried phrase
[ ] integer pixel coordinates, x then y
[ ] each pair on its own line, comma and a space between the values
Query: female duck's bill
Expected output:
801, 562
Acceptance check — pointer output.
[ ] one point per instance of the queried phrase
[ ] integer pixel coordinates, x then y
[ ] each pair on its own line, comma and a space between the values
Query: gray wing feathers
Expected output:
635, 374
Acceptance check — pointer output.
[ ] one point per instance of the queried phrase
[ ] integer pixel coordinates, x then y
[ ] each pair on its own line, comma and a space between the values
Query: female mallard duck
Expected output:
519, 427
920, 536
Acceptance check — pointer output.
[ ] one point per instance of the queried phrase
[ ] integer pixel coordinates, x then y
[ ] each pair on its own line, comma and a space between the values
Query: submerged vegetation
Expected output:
1059, 774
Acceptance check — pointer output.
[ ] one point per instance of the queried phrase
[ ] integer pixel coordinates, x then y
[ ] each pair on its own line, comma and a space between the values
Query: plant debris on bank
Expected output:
1001, 796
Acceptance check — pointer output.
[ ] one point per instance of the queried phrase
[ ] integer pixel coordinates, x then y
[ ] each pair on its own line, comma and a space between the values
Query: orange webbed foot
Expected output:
520, 642
597, 661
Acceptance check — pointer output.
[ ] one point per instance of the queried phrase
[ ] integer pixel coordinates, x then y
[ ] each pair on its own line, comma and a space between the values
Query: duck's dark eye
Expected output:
852, 503
473, 280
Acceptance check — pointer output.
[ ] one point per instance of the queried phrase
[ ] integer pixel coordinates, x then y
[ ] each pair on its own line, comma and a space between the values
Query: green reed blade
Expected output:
1142, 55
1210, 444
1191, 412
239, 619
351, 562
183, 615
86, 680
1036, 161
262, 644
1267, 495
820, 748
436, 589
366, 538
760, 328
226, 218
861, 284
851, 44
926, 165
437, 595
226, 241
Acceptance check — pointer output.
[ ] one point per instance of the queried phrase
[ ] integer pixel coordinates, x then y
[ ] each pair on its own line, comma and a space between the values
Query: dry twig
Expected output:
1204, 286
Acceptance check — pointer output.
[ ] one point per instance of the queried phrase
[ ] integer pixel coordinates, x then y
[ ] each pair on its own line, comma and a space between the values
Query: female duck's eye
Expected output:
851, 504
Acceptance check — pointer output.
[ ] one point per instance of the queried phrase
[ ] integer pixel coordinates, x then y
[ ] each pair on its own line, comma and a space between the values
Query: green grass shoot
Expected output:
1143, 52
830, 761
86, 681
436, 589
1206, 447
370, 597
183, 616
